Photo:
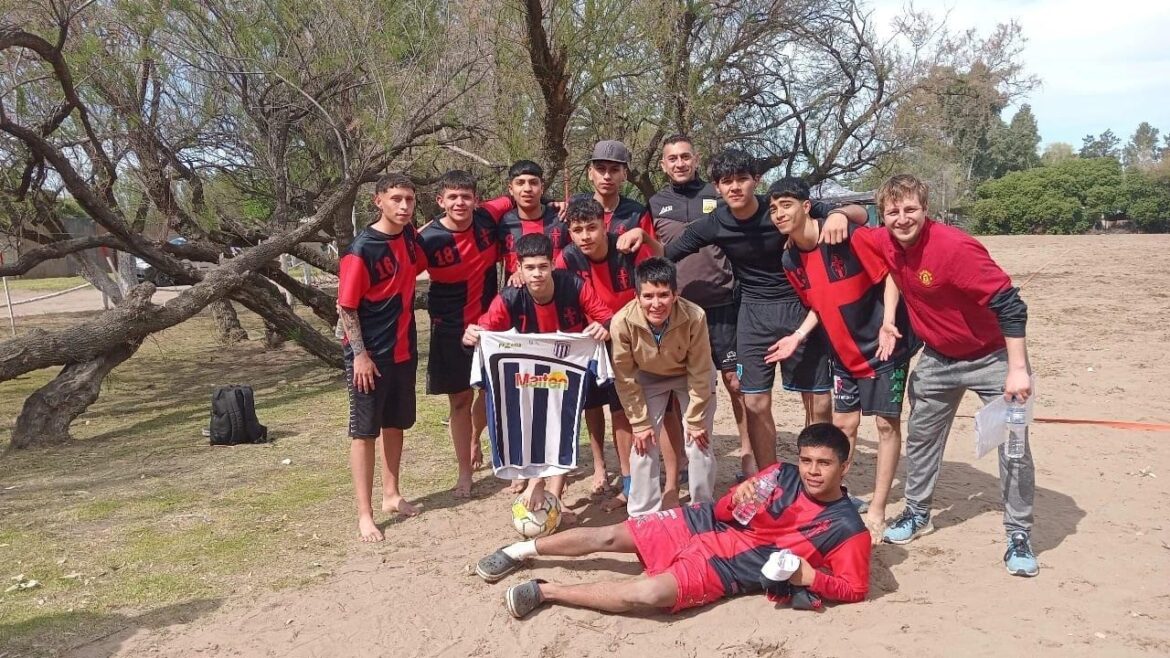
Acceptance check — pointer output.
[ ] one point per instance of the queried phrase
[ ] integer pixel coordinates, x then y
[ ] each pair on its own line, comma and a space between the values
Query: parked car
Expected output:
147, 272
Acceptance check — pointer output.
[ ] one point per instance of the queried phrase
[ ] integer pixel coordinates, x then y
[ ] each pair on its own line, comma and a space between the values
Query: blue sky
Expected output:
1102, 65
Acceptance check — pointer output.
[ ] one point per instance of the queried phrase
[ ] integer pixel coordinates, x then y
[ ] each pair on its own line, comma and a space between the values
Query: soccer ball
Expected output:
538, 523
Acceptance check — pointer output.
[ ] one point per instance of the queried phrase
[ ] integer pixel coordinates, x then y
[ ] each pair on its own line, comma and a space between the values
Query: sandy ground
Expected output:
1099, 333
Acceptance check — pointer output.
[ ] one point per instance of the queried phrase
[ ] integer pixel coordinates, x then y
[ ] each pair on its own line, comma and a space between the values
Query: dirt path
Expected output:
1099, 330
85, 299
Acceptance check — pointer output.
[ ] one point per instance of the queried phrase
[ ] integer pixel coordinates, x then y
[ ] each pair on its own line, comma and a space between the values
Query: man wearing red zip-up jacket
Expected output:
699, 554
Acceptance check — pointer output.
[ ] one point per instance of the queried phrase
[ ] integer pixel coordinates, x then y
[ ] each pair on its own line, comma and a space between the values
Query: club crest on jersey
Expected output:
817, 528
926, 277
553, 380
709, 205
561, 350
802, 278
623, 278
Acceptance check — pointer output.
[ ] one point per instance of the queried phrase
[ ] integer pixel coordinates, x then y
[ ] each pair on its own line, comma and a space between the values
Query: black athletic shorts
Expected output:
874, 396
448, 366
760, 325
721, 322
599, 396
390, 405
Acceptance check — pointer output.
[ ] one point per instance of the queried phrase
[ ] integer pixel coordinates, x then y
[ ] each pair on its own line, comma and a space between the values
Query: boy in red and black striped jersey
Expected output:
849, 292
375, 295
609, 167
594, 256
549, 301
700, 553
461, 250
973, 324
531, 215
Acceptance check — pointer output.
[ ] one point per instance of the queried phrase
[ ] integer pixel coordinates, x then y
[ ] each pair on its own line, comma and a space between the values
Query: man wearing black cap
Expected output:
608, 169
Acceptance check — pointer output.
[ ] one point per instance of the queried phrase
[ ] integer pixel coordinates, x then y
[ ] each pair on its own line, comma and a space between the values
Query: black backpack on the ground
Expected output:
233, 417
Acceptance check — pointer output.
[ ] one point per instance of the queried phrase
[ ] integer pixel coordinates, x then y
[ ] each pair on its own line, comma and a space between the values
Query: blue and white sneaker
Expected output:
1019, 558
907, 527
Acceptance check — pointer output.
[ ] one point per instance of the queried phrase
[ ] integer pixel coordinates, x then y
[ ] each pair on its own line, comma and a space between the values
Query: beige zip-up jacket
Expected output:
684, 350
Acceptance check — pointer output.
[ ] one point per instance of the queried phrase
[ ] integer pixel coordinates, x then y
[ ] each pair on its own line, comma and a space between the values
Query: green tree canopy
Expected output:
1070, 195
1064, 198
1105, 145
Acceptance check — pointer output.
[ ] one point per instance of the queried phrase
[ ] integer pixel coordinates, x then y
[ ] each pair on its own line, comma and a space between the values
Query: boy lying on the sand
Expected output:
698, 554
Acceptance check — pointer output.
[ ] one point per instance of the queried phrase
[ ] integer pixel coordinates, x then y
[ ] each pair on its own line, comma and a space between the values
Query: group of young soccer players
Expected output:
760, 280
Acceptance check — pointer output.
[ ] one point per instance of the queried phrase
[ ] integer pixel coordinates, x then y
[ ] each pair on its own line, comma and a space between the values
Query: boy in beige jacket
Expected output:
660, 345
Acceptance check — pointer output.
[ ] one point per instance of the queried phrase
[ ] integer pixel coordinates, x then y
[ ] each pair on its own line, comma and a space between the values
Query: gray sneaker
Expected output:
907, 527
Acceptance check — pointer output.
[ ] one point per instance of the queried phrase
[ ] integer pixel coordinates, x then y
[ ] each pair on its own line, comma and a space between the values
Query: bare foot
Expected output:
617, 502
669, 499
463, 486
368, 530
398, 504
534, 496
517, 486
599, 485
476, 456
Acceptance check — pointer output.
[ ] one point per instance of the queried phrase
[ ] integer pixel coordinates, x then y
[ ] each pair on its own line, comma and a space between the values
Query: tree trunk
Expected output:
227, 323
127, 272
51, 409
343, 222
93, 268
273, 338
549, 67
263, 299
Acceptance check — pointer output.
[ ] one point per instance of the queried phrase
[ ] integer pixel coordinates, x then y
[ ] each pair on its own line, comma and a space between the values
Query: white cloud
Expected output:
1102, 65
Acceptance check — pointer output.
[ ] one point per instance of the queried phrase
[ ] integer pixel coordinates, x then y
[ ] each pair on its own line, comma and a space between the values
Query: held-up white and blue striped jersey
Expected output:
535, 386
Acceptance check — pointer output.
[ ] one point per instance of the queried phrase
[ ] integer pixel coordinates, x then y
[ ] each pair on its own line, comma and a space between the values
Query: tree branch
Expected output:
34, 257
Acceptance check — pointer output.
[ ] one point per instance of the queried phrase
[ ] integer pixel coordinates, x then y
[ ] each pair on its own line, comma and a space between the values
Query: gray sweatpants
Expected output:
645, 489
937, 386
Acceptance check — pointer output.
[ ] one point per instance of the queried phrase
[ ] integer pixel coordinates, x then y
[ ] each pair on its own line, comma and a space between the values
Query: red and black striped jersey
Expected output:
574, 305
512, 228
462, 267
376, 277
753, 247
830, 536
627, 215
845, 285
613, 278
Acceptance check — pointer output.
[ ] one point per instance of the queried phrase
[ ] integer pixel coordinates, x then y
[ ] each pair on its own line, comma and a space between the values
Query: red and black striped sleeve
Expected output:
845, 574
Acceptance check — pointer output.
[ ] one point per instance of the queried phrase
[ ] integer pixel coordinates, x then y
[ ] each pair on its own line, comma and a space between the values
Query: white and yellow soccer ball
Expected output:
536, 523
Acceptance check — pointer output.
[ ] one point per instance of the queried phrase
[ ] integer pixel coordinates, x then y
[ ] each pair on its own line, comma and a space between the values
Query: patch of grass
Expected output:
138, 518
97, 510
45, 285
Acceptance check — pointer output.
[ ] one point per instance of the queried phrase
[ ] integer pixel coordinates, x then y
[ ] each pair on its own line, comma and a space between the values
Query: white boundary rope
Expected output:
49, 296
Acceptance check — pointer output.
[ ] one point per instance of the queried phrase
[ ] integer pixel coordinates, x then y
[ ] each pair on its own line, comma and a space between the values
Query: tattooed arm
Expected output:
364, 370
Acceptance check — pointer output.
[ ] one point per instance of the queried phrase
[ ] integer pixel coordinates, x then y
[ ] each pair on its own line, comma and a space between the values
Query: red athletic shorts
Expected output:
666, 545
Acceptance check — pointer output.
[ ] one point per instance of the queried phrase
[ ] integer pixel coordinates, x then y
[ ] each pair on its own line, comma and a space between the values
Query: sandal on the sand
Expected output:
523, 598
495, 566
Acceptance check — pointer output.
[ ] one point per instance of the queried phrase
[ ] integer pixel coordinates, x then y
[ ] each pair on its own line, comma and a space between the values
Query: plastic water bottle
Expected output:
764, 486
1017, 428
